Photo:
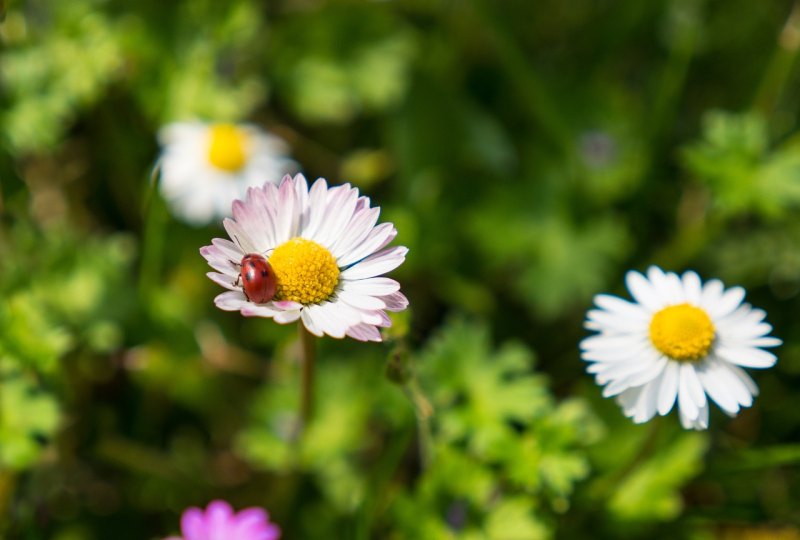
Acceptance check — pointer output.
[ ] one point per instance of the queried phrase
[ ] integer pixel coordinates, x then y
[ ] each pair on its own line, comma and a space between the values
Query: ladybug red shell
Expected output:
258, 279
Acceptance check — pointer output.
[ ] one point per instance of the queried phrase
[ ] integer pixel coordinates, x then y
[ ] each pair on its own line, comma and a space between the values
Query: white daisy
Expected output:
204, 167
326, 253
680, 340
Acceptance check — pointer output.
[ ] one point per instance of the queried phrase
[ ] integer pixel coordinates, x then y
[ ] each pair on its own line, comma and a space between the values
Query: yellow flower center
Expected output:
227, 147
682, 332
306, 272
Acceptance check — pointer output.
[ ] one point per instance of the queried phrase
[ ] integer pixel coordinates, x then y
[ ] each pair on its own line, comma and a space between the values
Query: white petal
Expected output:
646, 404
310, 323
667, 286
227, 249
338, 213
301, 196
376, 239
702, 418
686, 403
377, 264
376, 286
736, 385
727, 303
643, 291
256, 310
327, 320
713, 383
766, 341
653, 371
264, 214
288, 211
711, 295
316, 207
285, 305
628, 399
239, 236
692, 287
364, 332
231, 301
615, 355
219, 261
360, 227
620, 307
395, 301
618, 323
742, 375
224, 280
286, 317
746, 356
605, 342
675, 288
668, 391
359, 300
698, 423
616, 369
625, 375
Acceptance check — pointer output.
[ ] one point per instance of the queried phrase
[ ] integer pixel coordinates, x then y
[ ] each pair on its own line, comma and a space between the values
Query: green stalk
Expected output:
307, 359
777, 75
424, 411
155, 219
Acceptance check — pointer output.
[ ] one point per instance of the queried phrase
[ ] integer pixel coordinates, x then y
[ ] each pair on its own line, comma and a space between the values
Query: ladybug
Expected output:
257, 278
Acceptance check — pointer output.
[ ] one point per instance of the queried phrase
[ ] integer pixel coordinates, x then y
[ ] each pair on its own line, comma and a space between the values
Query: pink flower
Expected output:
219, 522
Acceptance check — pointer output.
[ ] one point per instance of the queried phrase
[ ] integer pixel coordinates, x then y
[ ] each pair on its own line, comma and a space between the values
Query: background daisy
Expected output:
680, 340
206, 166
326, 251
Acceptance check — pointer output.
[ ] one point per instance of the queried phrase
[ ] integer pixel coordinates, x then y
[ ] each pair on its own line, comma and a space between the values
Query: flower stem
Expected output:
155, 220
307, 357
645, 451
8, 481
399, 370
423, 410
779, 70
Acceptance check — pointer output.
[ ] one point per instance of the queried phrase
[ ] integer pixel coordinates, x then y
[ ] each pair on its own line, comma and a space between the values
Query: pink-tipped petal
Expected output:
364, 332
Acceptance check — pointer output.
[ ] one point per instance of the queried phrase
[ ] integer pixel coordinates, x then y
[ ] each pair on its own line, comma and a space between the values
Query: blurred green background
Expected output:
529, 154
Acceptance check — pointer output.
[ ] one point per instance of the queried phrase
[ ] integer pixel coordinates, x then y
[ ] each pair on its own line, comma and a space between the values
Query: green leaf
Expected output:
28, 416
652, 491
744, 173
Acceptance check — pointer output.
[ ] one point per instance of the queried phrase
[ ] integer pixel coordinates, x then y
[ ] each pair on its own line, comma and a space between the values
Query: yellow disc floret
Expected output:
306, 272
227, 147
682, 332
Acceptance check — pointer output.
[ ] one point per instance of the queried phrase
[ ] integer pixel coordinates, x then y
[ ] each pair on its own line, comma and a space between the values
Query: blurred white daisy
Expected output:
326, 252
680, 340
204, 167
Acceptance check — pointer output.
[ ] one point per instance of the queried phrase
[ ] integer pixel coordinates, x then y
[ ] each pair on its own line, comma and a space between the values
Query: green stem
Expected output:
378, 498
307, 358
780, 67
648, 446
8, 480
153, 237
537, 100
423, 410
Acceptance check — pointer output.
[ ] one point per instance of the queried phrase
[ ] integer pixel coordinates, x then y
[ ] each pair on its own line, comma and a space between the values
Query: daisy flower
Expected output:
327, 254
219, 522
204, 167
681, 340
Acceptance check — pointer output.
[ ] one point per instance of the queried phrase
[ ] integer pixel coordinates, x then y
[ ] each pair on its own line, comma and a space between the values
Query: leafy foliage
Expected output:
503, 450
735, 160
